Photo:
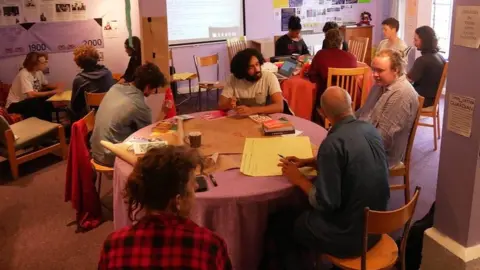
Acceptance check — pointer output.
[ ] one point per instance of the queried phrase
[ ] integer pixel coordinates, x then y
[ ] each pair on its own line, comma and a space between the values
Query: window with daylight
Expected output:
442, 23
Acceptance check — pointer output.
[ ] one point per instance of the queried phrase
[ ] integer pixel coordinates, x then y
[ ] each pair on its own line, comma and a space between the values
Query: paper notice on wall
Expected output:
280, 3
47, 12
30, 10
111, 29
79, 10
277, 14
460, 114
467, 27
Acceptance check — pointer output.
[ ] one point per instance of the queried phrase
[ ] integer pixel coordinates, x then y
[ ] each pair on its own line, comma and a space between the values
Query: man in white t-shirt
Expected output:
26, 96
390, 28
249, 90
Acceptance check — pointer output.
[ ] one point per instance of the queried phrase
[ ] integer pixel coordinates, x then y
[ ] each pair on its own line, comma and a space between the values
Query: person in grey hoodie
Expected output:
93, 78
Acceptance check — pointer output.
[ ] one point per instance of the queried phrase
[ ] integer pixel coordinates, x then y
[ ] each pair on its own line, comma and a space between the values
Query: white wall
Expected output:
62, 67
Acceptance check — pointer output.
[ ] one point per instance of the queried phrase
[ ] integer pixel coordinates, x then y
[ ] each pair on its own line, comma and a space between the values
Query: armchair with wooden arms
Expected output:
29, 134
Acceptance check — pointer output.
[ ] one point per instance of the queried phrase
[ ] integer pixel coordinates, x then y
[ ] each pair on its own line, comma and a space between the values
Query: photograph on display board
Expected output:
338, 2
60, 8
79, 6
351, 1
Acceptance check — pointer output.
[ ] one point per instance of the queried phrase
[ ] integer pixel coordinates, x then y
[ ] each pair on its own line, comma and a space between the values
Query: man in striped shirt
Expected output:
391, 105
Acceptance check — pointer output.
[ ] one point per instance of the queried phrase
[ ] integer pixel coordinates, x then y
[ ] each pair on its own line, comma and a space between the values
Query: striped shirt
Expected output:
392, 110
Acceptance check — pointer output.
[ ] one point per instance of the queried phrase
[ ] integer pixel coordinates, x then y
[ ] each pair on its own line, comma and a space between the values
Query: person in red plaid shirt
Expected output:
163, 185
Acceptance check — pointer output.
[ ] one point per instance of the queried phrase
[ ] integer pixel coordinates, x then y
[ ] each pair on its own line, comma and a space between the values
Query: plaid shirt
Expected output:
164, 241
392, 110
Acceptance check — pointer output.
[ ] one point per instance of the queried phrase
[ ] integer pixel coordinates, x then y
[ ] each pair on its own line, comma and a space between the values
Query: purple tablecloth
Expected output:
237, 209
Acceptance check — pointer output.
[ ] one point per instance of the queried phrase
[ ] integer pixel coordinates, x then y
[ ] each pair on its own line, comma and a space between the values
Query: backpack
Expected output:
413, 249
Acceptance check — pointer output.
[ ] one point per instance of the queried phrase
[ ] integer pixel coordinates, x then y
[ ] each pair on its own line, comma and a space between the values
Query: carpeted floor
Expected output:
34, 217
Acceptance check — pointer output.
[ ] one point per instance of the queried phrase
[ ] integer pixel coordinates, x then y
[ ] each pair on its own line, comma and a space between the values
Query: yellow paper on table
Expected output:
261, 155
182, 76
64, 96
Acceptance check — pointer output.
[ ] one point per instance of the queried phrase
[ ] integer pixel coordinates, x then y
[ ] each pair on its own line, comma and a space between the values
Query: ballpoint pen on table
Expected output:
213, 180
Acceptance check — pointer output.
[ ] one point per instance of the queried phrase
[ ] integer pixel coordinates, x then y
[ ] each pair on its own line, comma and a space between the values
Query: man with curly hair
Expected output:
93, 78
249, 90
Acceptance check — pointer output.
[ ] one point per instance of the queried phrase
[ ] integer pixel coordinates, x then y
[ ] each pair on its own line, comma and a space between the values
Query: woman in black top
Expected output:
333, 25
427, 69
291, 42
135, 54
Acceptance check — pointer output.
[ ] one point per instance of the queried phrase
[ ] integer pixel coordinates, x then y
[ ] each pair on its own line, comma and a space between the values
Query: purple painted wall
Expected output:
458, 201
260, 24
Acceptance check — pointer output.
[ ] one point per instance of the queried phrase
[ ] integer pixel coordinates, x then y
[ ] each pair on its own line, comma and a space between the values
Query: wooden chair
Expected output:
434, 110
26, 135
93, 100
358, 46
99, 169
206, 61
347, 78
181, 77
385, 253
234, 45
403, 169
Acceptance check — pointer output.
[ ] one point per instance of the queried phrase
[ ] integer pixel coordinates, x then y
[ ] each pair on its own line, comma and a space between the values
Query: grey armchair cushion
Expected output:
30, 130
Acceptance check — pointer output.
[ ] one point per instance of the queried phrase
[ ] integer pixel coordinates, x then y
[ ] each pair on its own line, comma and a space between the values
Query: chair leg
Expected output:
13, 167
438, 125
63, 143
199, 99
11, 154
434, 133
406, 182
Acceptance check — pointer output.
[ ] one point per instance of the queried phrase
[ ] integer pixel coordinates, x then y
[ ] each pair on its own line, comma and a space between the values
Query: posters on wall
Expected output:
22, 11
314, 13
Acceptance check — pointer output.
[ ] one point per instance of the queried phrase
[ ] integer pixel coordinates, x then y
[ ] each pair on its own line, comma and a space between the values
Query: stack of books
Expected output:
278, 127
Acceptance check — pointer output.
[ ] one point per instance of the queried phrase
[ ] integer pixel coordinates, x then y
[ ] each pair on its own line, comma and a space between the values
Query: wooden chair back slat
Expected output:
385, 222
234, 45
411, 137
443, 79
93, 99
358, 46
346, 78
90, 120
204, 61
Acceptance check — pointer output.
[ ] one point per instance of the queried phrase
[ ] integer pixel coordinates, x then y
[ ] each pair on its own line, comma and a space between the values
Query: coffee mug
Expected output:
194, 139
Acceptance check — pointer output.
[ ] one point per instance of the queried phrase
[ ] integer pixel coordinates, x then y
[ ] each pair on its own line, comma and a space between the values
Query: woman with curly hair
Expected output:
93, 78
162, 185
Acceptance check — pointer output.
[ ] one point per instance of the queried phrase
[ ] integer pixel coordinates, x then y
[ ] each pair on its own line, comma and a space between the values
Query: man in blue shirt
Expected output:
352, 174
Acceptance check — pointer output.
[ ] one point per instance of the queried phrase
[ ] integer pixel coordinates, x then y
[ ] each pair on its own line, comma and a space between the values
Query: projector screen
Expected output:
196, 21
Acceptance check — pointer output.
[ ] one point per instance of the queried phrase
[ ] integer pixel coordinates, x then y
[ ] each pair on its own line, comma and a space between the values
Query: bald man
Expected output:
352, 173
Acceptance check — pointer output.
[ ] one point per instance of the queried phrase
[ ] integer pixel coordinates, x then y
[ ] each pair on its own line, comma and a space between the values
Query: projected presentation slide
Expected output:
191, 21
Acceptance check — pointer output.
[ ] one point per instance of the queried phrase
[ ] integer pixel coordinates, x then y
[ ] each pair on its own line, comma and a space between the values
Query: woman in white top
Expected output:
27, 96
390, 28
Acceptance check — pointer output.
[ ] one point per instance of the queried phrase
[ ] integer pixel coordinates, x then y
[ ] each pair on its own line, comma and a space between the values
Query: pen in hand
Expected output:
284, 158
213, 180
